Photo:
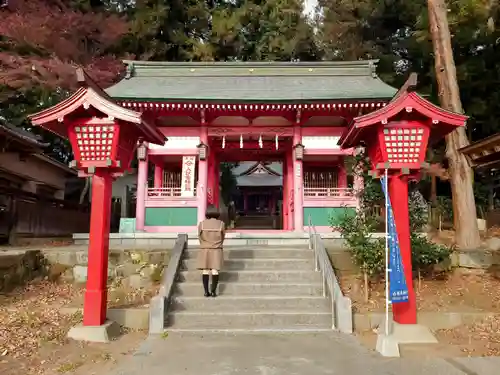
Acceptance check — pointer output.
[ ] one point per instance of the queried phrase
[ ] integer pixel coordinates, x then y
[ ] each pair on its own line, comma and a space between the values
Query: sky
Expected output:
310, 5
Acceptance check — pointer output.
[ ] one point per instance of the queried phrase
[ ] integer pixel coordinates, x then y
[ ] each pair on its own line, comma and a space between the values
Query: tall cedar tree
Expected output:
197, 30
266, 30
397, 32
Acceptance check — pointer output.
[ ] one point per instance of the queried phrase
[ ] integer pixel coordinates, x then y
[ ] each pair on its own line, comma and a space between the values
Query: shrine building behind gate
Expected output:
287, 113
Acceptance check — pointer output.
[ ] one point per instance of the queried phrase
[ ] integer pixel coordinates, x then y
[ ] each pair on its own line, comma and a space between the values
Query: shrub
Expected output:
368, 252
425, 253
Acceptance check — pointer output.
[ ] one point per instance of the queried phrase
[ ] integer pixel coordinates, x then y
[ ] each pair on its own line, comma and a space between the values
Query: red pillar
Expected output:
284, 205
406, 312
211, 189
94, 308
217, 182
291, 190
342, 175
158, 181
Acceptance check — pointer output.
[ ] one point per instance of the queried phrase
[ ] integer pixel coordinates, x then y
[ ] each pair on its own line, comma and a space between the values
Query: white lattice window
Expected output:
404, 145
320, 182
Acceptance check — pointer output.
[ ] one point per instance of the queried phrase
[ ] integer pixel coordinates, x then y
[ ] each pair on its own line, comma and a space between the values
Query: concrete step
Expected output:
257, 276
255, 289
250, 331
258, 264
227, 303
250, 319
259, 253
249, 241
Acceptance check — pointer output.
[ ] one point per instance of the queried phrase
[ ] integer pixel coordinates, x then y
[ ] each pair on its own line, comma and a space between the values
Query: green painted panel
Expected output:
320, 216
171, 216
127, 225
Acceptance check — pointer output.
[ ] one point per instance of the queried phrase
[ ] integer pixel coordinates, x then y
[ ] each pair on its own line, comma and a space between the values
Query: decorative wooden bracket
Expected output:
436, 169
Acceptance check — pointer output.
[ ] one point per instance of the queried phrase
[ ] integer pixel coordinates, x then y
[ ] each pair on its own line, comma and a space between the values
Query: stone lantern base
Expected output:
388, 345
104, 333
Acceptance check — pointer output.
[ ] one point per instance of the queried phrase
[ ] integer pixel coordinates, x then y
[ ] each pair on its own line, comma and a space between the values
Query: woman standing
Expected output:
211, 233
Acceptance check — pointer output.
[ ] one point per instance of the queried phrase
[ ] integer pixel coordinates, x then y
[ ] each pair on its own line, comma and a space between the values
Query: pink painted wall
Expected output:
158, 180
142, 186
290, 189
211, 179
298, 182
342, 174
201, 190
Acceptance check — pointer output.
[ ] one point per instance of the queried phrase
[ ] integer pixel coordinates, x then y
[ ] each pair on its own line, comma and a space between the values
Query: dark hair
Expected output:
212, 212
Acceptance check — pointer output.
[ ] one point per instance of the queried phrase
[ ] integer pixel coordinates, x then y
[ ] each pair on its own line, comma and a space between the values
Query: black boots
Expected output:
205, 284
215, 281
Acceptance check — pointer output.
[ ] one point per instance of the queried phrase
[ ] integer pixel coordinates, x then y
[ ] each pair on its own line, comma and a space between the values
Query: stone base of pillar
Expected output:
103, 333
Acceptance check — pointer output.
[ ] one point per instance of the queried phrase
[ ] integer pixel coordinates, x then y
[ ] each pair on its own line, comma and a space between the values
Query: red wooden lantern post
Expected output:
104, 138
396, 138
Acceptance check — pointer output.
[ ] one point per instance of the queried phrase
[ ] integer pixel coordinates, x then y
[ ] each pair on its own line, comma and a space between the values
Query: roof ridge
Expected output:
248, 68
352, 63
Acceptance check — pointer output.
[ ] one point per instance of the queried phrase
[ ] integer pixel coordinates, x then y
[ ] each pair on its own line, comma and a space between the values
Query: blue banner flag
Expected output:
398, 290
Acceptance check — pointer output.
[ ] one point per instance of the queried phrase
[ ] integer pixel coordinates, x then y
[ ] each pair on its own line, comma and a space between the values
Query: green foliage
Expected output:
227, 182
418, 216
369, 252
426, 253
445, 208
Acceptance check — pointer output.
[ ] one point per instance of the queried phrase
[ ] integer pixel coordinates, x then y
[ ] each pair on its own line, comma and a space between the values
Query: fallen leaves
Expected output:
459, 291
32, 316
477, 339
33, 331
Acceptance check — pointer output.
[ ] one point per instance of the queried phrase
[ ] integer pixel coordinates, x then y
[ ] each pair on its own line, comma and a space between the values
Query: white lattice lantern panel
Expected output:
404, 146
95, 142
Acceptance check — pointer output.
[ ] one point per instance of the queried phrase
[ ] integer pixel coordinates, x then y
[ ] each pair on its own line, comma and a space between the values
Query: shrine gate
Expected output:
292, 113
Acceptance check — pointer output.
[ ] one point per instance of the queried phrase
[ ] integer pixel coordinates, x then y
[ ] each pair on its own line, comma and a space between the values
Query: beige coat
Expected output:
211, 233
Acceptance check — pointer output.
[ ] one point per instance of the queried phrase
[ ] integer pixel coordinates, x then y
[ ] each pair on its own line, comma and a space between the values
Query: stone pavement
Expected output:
281, 354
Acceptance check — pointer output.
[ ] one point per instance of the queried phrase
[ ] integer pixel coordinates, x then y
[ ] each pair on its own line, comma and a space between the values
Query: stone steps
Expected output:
264, 265
253, 276
246, 303
259, 253
262, 289
250, 319
257, 289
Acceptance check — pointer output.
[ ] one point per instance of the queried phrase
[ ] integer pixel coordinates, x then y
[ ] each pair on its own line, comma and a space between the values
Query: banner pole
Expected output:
386, 253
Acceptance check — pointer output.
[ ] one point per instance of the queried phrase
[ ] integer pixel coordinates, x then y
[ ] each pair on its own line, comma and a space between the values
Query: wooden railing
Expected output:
160, 193
328, 192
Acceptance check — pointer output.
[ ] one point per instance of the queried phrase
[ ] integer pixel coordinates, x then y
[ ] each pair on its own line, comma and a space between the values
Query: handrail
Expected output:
310, 192
158, 306
164, 192
341, 305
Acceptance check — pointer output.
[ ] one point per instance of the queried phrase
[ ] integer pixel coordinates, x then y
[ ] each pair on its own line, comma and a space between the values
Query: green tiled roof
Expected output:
251, 81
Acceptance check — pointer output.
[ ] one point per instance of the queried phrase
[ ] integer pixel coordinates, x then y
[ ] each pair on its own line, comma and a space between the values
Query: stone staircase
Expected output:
261, 289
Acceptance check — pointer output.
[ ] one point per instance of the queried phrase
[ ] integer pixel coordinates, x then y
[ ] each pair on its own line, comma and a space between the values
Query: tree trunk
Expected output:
461, 175
85, 190
366, 286
434, 197
433, 194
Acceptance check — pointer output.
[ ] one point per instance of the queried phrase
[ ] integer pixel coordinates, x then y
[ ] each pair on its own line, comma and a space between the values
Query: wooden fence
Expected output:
42, 218
30, 215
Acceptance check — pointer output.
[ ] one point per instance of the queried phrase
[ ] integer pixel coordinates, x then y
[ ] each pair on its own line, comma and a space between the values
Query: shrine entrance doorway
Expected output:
258, 168
258, 197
